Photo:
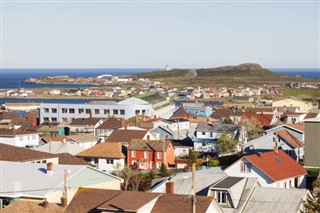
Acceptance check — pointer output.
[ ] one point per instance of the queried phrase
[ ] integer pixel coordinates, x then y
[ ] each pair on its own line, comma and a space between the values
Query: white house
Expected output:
85, 141
106, 156
273, 169
20, 138
32, 181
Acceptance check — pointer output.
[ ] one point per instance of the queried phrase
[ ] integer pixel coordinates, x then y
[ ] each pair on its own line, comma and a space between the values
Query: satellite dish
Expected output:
251, 147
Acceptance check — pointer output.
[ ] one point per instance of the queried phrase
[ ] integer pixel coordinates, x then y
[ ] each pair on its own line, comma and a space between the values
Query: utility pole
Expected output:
193, 190
178, 129
65, 191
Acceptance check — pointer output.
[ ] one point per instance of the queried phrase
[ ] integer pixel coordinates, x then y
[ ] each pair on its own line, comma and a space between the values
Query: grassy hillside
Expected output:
232, 76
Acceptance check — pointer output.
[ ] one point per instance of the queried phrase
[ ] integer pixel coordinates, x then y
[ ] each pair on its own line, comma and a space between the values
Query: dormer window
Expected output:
221, 197
245, 167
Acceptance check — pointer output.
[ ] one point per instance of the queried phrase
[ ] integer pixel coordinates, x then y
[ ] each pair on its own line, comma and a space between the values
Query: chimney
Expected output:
90, 114
49, 167
276, 148
169, 187
63, 201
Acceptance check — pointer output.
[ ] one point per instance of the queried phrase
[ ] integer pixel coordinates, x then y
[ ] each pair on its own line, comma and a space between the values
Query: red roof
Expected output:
152, 120
263, 119
277, 166
285, 135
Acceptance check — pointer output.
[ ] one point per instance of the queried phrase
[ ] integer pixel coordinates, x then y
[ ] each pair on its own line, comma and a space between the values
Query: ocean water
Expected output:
13, 78
303, 72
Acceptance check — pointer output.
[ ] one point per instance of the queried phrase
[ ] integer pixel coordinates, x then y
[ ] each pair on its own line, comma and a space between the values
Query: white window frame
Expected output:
133, 153
245, 167
159, 155
145, 154
218, 195
151, 165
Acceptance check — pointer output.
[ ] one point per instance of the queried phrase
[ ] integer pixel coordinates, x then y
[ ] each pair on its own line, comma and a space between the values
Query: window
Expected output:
221, 197
97, 111
54, 119
151, 165
145, 154
143, 111
158, 165
71, 111
54, 110
106, 111
38, 161
80, 111
44, 161
137, 112
64, 110
46, 110
245, 167
133, 153
115, 112
203, 133
122, 111
88, 111
159, 155
46, 119
96, 160
88, 159
109, 161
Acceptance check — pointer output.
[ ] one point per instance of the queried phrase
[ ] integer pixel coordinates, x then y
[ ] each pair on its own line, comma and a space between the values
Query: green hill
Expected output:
248, 74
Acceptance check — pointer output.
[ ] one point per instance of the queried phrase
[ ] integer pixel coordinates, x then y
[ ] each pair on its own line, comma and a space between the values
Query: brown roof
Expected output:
299, 127
85, 121
68, 159
14, 153
7, 115
104, 150
112, 123
126, 135
180, 112
221, 113
13, 132
26, 120
148, 145
311, 115
259, 109
181, 203
56, 138
83, 138
23, 206
128, 201
285, 135
87, 199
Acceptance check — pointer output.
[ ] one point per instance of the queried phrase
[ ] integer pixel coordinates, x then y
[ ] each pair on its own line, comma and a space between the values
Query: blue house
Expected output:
197, 109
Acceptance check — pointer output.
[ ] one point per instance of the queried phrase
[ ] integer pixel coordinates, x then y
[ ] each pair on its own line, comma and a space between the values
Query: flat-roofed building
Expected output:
312, 142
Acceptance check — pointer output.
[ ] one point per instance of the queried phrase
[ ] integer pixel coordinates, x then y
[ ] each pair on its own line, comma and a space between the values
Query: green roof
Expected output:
152, 97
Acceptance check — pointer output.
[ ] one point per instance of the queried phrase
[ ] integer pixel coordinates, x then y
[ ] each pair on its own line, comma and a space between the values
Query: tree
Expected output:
164, 172
192, 157
312, 204
227, 121
251, 126
226, 143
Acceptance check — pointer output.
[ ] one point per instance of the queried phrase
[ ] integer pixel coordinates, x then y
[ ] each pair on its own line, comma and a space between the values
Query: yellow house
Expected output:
303, 106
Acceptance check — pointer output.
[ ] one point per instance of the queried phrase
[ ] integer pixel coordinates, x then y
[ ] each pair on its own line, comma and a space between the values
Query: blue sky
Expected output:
73, 34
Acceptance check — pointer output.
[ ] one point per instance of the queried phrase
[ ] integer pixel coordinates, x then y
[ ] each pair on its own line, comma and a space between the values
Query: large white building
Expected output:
55, 112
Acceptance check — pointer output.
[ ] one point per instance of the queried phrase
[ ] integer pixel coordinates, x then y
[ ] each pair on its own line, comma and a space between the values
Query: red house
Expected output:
150, 154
